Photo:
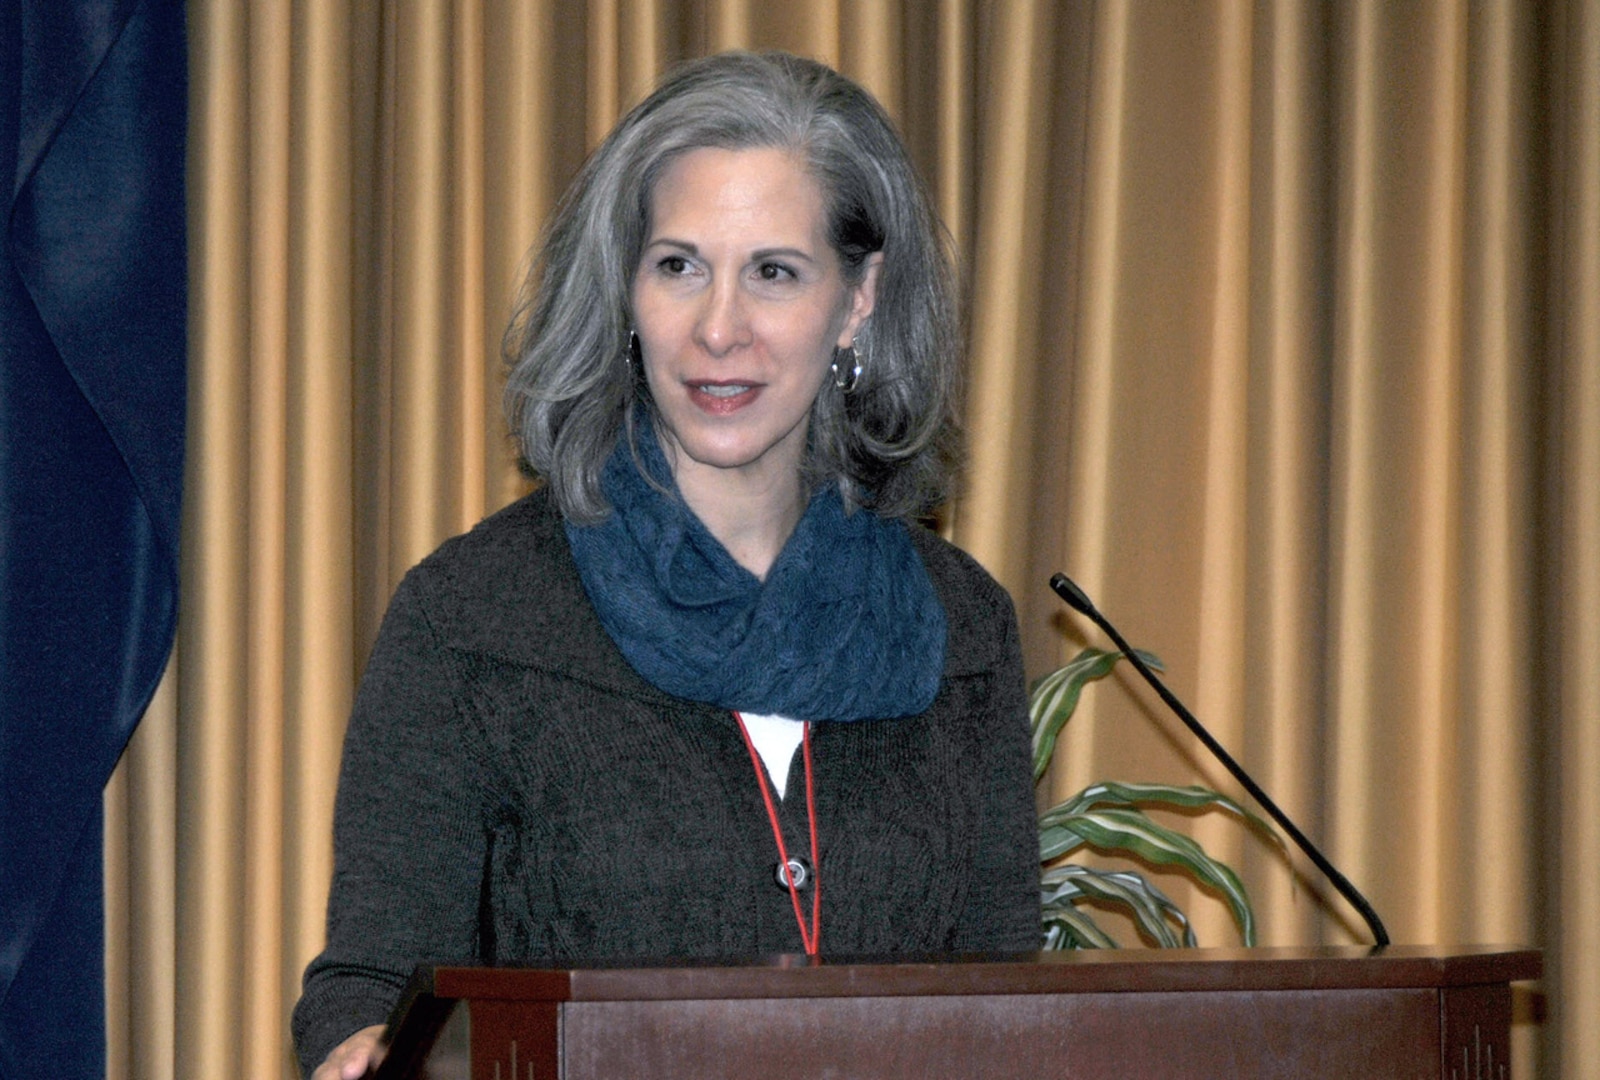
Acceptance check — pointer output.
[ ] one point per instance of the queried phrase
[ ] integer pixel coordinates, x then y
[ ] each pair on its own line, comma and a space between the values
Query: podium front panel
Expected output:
1027, 1037
1406, 1012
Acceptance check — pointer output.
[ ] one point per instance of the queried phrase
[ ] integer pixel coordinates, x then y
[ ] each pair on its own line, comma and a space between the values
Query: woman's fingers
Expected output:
351, 1059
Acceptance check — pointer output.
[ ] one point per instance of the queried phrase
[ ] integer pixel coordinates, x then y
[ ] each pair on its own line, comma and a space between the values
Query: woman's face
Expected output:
739, 302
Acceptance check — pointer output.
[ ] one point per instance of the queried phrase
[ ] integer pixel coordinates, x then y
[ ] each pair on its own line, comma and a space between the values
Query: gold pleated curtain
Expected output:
1284, 325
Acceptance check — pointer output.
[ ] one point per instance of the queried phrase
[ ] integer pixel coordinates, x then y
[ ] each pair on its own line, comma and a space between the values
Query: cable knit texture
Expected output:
845, 627
514, 792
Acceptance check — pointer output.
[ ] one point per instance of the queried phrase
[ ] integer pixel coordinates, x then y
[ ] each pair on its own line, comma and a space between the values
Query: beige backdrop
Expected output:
1285, 342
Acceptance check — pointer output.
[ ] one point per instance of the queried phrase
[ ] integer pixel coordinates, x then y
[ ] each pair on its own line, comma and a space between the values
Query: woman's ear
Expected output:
863, 296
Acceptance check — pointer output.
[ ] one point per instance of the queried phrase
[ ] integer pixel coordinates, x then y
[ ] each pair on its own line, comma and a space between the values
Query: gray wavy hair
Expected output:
891, 444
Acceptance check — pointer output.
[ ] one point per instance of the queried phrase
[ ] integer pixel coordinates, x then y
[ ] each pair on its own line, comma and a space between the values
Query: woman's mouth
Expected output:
722, 397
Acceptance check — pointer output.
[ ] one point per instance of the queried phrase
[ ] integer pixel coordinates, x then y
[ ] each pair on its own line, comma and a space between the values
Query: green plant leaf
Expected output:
1058, 838
1109, 817
1069, 927
1171, 796
1150, 908
1129, 831
1053, 699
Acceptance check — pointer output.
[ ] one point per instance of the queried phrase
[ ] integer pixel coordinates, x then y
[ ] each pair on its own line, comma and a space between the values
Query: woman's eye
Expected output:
774, 272
674, 264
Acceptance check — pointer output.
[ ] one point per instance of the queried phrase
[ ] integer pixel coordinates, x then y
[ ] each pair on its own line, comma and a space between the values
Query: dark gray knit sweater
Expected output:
513, 792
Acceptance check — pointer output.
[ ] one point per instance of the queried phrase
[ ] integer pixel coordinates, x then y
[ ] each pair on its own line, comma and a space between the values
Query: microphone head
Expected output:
1075, 597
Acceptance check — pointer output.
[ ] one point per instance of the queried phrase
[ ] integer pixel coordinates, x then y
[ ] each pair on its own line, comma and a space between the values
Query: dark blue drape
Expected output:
92, 350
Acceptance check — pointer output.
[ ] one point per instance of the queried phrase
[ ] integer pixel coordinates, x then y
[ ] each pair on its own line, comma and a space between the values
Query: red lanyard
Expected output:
811, 938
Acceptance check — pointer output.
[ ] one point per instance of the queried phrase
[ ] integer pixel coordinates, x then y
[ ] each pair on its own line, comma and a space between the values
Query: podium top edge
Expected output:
1085, 971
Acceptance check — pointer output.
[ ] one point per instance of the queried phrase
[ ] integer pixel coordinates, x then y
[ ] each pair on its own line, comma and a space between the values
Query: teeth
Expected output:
723, 391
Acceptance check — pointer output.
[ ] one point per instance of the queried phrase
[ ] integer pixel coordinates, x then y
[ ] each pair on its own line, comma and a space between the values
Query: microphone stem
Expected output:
1079, 601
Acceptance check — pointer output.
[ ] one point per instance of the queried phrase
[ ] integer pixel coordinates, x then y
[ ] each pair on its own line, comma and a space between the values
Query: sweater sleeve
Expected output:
1002, 908
409, 843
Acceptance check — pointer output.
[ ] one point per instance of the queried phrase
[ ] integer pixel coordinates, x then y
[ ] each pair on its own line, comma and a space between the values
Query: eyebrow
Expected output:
755, 256
668, 241
784, 252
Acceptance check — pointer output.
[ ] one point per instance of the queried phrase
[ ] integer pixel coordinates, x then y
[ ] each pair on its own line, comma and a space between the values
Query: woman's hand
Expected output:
352, 1059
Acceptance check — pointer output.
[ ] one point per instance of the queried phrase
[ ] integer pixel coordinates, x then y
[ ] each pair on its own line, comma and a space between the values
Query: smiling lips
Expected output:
722, 398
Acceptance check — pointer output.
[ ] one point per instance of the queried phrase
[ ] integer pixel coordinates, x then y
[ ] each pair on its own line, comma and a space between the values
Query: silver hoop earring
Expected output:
631, 356
846, 367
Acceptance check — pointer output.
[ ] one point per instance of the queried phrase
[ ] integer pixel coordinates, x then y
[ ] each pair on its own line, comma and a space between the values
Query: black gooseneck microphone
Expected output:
1079, 601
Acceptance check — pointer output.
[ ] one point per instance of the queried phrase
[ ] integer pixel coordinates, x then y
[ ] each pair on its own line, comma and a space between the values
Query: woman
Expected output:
707, 672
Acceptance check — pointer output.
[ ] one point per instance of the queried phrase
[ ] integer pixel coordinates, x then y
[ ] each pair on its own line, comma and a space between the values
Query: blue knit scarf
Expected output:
846, 626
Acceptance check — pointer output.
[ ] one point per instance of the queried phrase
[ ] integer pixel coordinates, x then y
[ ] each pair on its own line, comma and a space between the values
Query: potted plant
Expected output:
1111, 818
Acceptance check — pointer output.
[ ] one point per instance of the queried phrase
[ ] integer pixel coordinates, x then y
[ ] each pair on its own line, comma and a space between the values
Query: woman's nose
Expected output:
723, 322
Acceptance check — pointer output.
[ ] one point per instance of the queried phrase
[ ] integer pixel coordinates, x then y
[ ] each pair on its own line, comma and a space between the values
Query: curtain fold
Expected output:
216, 555
1498, 479
1570, 813
1284, 579
1015, 133
141, 814
1283, 340
1087, 464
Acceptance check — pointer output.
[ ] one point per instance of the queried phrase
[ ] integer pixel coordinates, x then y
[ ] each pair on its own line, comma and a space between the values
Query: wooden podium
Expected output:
1404, 1011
